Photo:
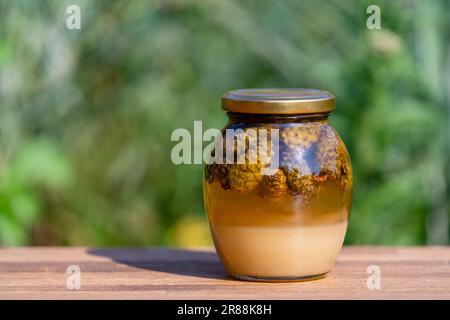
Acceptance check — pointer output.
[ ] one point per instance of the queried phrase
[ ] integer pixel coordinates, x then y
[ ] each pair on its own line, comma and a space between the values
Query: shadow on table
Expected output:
196, 263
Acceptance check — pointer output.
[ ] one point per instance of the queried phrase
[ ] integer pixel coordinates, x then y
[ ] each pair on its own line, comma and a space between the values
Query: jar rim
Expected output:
278, 101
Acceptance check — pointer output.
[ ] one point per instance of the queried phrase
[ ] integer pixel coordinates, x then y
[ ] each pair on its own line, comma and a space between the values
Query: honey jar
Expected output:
278, 193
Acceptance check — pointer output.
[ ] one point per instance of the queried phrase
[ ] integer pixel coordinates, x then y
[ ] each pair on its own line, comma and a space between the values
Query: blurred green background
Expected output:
86, 115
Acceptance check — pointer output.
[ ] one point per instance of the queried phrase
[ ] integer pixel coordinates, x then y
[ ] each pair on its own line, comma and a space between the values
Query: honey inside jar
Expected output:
290, 223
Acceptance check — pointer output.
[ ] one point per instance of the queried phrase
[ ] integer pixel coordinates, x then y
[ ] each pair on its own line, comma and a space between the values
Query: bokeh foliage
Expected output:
86, 115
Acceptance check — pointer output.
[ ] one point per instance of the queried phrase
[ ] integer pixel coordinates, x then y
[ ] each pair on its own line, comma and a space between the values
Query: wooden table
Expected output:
161, 273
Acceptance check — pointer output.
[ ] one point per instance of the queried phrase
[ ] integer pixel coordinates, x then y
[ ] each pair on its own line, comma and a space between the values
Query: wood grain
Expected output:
162, 273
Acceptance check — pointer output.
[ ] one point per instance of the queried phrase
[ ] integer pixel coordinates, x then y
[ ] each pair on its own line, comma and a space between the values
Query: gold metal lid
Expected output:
278, 101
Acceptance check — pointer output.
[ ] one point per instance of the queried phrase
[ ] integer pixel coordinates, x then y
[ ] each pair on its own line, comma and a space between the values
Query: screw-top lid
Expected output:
278, 101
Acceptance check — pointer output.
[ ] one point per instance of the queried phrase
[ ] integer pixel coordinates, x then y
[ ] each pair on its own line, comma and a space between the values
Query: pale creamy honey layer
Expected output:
279, 251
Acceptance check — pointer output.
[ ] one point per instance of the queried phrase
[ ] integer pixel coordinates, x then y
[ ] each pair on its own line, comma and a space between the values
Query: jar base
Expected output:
277, 279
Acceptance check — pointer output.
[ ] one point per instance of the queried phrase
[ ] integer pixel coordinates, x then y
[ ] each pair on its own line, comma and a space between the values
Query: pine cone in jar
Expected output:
247, 177
332, 157
300, 177
304, 135
218, 172
302, 184
274, 187
327, 150
244, 178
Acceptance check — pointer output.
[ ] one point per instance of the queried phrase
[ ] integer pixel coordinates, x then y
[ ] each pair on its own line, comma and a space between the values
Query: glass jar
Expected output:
278, 208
